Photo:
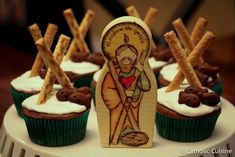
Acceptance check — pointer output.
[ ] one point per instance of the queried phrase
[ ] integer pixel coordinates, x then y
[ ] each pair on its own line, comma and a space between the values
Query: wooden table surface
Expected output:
14, 62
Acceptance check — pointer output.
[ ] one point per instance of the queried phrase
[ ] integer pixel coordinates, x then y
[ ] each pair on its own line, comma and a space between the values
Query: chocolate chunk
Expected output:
80, 98
79, 57
208, 69
210, 99
96, 58
195, 90
72, 76
87, 100
64, 93
161, 54
202, 77
190, 99
76, 97
85, 90
42, 73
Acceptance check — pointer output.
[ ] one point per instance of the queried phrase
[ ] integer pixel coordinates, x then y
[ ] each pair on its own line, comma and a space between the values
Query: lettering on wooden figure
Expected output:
126, 89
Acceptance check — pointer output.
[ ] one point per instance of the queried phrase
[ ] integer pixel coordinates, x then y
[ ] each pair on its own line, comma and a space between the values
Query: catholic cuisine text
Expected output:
206, 151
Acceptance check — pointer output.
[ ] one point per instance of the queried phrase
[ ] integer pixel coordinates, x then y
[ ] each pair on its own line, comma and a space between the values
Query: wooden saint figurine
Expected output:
126, 88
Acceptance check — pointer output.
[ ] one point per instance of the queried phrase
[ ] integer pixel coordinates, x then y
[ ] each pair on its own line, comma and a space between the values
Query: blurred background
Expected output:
18, 51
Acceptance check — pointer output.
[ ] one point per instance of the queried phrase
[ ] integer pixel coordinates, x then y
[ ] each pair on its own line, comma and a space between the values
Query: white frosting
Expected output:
29, 84
52, 105
96, 76
79, 68
168, 72
170, 100
156, 64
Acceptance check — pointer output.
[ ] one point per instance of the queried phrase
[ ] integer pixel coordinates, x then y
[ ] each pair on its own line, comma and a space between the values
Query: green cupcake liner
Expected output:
218, 88
186, 130
83, 81
18, 98
93, 94
55, 133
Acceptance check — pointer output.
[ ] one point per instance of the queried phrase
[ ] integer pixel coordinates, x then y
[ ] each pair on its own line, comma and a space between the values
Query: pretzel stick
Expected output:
74, 28
198, 30
85, 24
193, 59
50, 79
49, 60
183, 34
50, 33
132, 11
181, 58
150, 15
36, 34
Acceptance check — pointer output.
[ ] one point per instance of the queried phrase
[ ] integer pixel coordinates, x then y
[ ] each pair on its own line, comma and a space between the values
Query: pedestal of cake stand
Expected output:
14, 141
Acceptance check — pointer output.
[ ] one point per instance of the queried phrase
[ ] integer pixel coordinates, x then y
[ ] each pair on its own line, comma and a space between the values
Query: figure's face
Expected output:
126, 59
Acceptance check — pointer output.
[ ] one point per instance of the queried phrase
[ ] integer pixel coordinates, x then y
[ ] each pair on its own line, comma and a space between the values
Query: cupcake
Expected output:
29, 83
186, 113
93, 85
56, 118
61, 121
79, 61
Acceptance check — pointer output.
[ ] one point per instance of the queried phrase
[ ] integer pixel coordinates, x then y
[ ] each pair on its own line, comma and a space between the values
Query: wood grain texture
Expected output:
120, 111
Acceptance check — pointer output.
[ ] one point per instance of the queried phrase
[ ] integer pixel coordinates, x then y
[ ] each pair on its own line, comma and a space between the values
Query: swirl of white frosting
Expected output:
156, 64
79, 67
168, 72
96, 76
52, 105
29, 84
170, 100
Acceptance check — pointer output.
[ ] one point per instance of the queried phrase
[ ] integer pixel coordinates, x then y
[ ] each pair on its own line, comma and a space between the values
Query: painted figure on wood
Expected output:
126, 82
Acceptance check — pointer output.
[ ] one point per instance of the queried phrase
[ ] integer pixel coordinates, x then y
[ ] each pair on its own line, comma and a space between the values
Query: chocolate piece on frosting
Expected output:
96, 58
79, 57
76, 97
42, 73
193, 96
64, 93
162, 54
210, 99
202, 77
72, 76
80, 96
190, 99
85, 90
195, 90
208, 69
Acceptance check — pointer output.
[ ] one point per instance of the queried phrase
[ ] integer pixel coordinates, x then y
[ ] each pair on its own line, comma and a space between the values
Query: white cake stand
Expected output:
14, 141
